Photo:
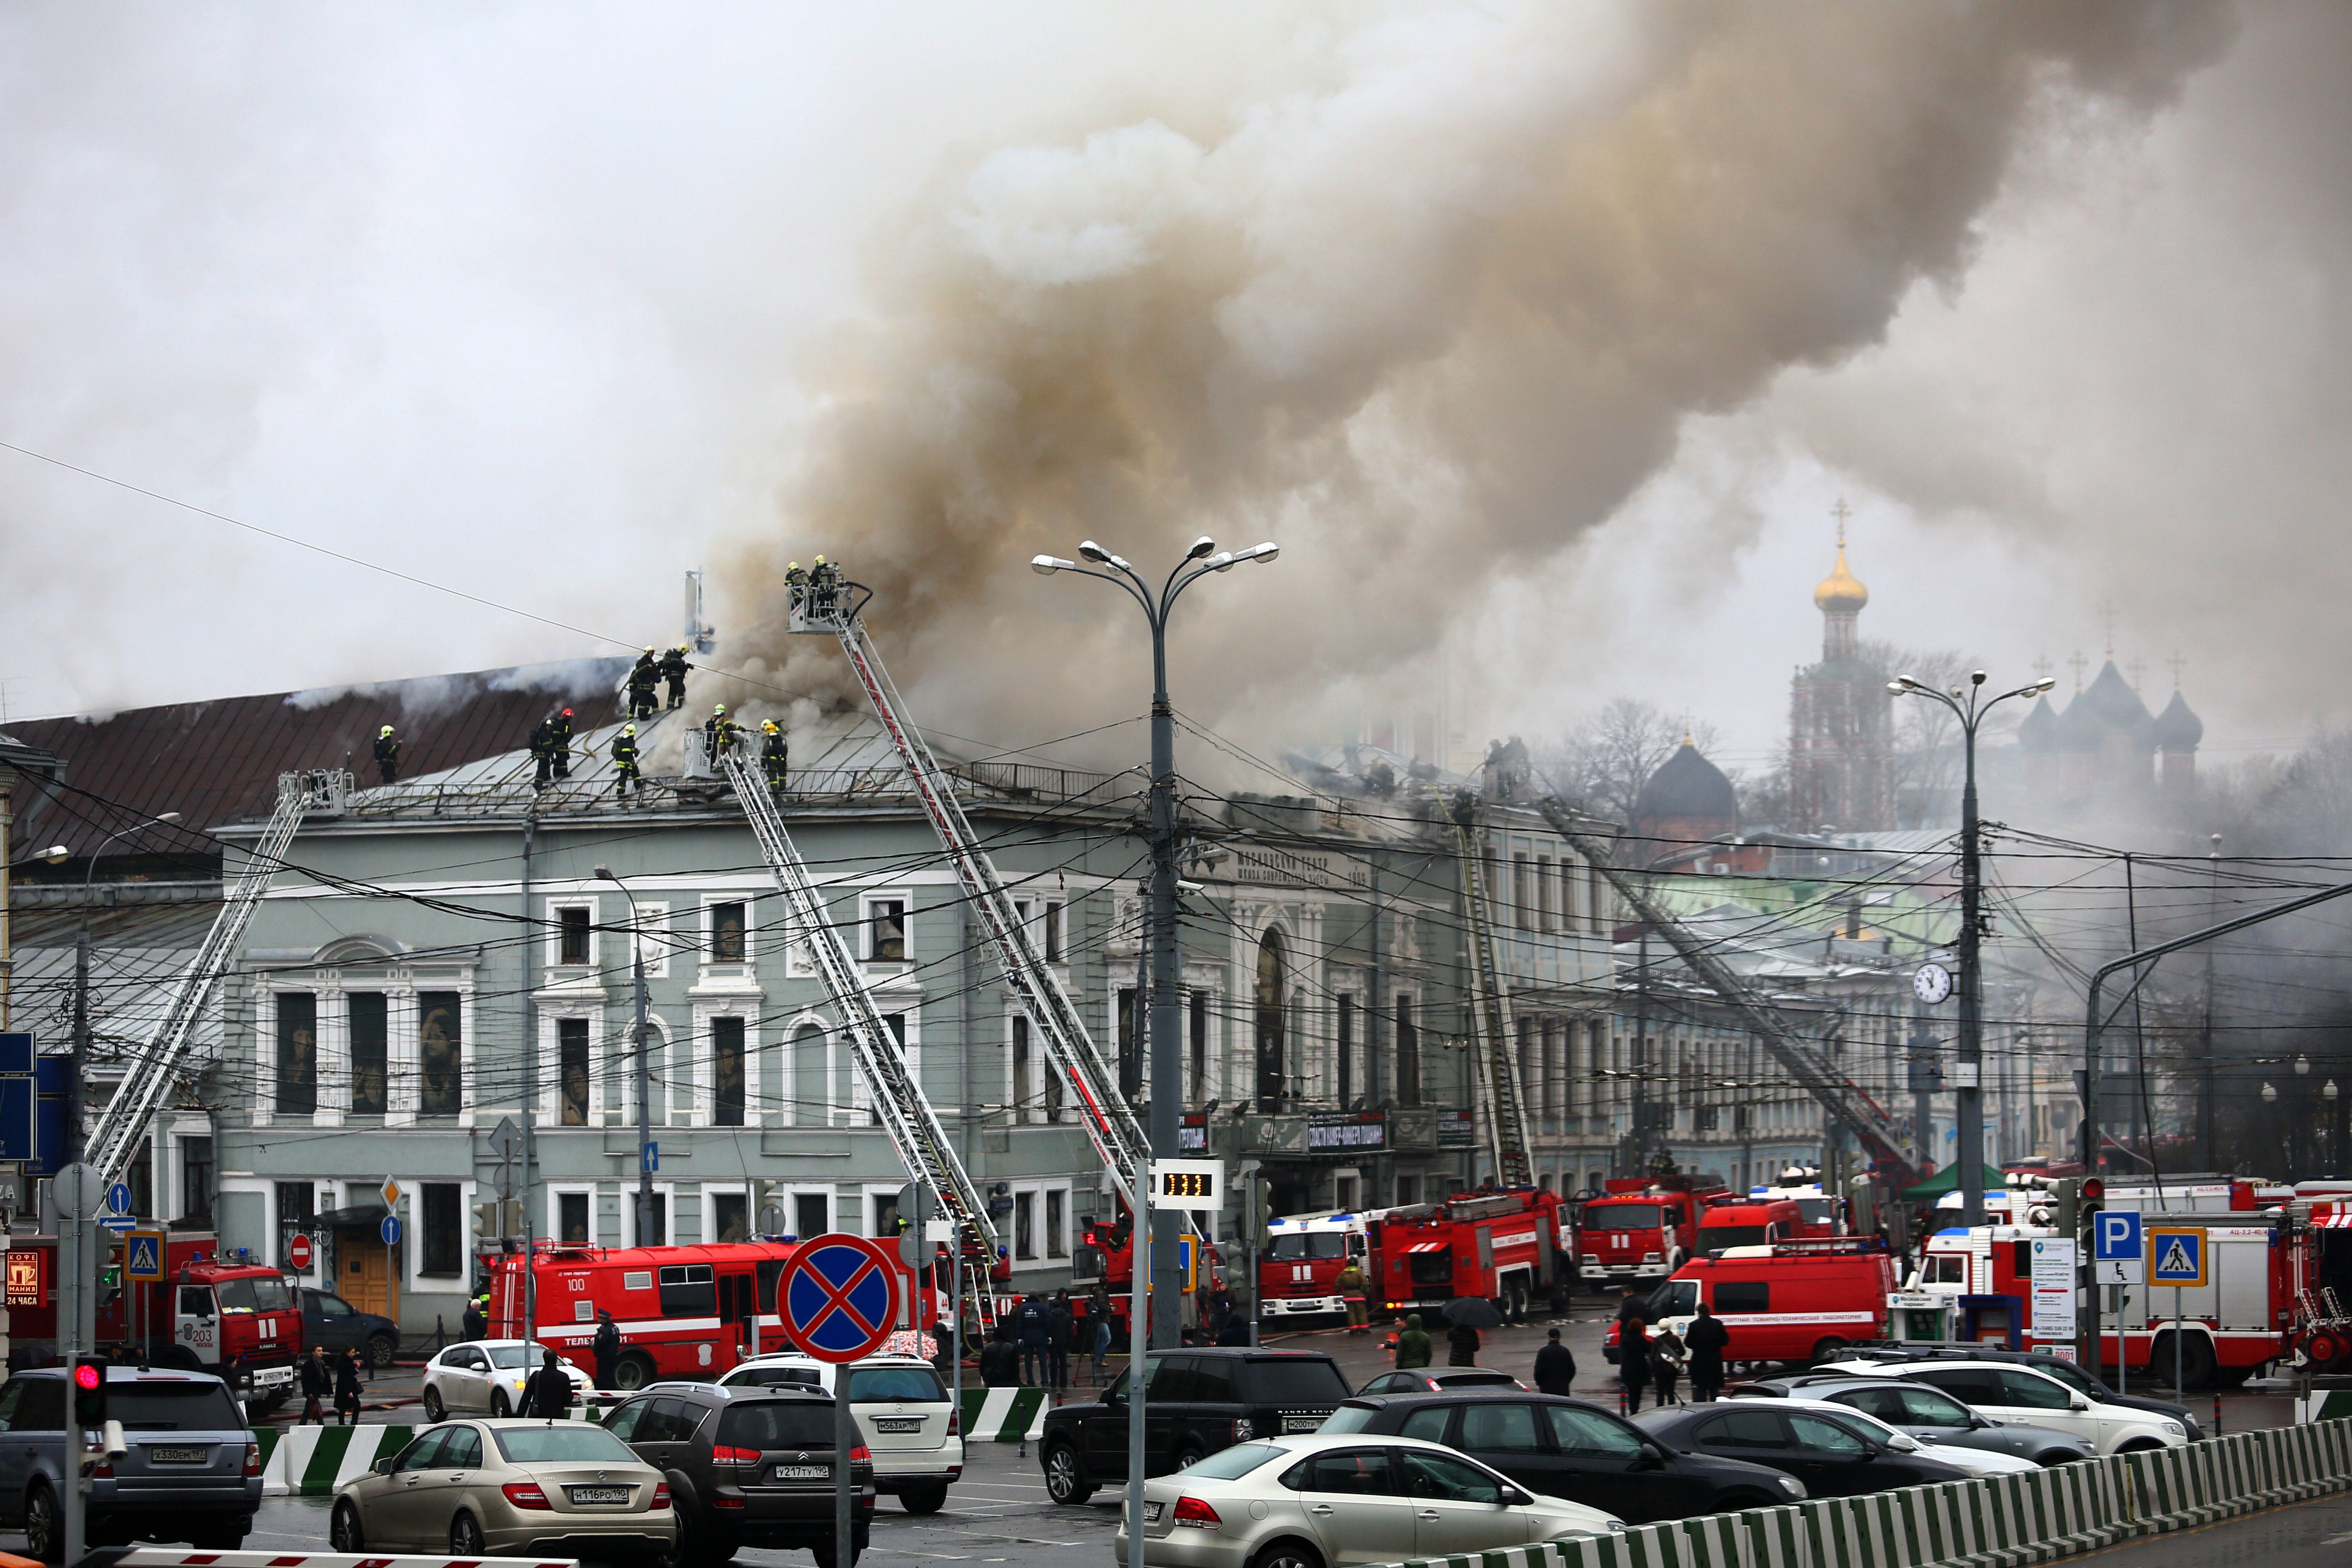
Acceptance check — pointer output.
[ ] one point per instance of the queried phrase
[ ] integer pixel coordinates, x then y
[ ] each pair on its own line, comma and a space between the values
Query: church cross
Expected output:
1841, 511
2079, 665
2178, 664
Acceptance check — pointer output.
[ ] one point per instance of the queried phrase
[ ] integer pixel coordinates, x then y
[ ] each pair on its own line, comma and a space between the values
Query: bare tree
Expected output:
1601, 766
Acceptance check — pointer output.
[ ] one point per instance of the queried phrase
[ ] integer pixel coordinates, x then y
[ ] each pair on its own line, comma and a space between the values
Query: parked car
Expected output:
1439, 1380
1331, 1502
551, 1488
487, 1377
192, 1471
1568, 1448
1977, 1462
746, 1467
2007, 1392
334, 1323
2080, 1379
1197, 1402
1830, 1451
1928, 1413
902, 1411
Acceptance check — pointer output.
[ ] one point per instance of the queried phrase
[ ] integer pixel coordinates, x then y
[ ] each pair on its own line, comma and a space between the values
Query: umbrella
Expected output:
1472, 1313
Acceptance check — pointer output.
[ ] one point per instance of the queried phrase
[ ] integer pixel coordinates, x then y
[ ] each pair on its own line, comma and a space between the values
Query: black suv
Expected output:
2078, 1378
1566, 1448
1197, 1402
747, 1467
333, 1323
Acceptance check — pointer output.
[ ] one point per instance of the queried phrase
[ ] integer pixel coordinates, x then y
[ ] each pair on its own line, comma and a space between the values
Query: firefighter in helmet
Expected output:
772, 757
644, 676
795, 586
387, 756
824, 584
625, 764
560, 743
719, 732
673, 667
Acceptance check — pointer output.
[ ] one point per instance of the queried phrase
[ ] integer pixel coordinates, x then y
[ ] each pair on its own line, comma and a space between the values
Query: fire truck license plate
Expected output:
803, 1472
271, 1376
583, 1496
914, 1425
178, 1456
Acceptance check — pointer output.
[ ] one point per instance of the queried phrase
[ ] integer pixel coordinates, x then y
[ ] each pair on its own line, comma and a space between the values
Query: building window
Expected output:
885, 1214
1023, 1066
571, 1071
1407, 1191
1057, 1234
1270, 987
727, 933
441, 1053
807, 1095
370, 1032
885, 927
1345, 1048
1130, 1035
1053, 934
731, 1217
297, 1204
1408, 1055
1025, 1225
727, 1084
197, 1179
1523, 902
812, 1215
1343, 1194
143, 1180
1546, 907
571, 934
445, 1229
572, 1217
1197, 1064
297, 1053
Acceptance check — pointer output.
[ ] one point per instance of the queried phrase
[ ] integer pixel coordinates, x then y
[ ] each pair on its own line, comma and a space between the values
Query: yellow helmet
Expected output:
820, 559
769, 725
630, 730
386, 730
792, 565
649, 648
718, 709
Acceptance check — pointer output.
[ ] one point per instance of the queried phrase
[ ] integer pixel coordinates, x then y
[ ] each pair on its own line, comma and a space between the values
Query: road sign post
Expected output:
838, 1301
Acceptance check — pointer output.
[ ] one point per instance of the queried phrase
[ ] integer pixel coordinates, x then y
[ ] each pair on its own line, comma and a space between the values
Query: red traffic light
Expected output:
88, 1376
2095, 1188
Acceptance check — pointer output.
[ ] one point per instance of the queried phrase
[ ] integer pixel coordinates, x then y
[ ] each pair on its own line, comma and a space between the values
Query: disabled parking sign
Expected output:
2118, 1249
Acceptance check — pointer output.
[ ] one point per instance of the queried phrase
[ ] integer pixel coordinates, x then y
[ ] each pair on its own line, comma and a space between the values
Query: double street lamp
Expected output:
1969, 705
1160, 939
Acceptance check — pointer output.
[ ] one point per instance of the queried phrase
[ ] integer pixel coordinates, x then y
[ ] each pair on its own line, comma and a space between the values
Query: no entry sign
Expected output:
298, 1253
839, 1296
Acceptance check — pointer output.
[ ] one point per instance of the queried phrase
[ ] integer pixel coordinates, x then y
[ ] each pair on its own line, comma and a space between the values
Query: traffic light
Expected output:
2066, 1207
90, 1392
2094, 1193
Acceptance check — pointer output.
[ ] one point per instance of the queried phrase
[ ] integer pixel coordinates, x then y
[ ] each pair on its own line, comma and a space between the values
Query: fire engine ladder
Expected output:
904, 1112
1800, 1058
1500, 1096
1119, 1141
114, 1143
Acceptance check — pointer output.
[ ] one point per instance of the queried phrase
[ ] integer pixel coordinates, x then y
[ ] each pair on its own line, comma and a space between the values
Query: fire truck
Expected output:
226, 1314
1818, 1212
1298, 1274
1505, 1246
1640, 1229
683, 1311
1106, 1252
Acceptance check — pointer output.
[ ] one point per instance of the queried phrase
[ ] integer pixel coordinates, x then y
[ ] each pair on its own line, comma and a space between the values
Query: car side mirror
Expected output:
383, 1467
2078, 1404
1902, 1445
1513, 1498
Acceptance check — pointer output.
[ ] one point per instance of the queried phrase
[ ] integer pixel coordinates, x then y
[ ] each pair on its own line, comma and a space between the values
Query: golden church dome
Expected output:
1841, 590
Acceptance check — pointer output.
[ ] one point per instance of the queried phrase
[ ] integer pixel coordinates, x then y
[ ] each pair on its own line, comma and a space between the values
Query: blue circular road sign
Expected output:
390, 1230
839, 1296
118, 1198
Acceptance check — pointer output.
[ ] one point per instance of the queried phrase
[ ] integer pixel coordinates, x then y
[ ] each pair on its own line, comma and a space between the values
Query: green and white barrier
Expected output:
312, 1461
1004, 1414
1999, 1521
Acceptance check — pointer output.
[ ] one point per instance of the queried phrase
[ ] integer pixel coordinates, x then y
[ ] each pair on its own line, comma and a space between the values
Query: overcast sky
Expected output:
1545, 336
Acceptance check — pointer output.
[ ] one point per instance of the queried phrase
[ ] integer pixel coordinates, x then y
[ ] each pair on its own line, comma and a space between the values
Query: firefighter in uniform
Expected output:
644, 676
625, 764
673, 669
542, 752
823, 584
795, 586
772, 758
559, 737
718, 732
387, 756
1352, 1288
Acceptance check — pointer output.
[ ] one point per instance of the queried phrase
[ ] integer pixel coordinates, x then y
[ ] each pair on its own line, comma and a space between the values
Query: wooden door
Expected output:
363, 1278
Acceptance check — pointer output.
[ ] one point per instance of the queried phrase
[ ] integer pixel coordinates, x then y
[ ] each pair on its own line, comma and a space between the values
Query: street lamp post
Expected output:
1167, 1001
645, 1237
1969, 706
81, 987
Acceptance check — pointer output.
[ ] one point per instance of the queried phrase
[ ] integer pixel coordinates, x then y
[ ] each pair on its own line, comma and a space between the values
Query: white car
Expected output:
486, 1377
1976, 1461
1312, 1501
2011, 1395
901, 1409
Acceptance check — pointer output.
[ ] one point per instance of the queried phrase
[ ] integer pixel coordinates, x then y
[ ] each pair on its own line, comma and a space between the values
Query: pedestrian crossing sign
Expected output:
2176, 1257
143, 1257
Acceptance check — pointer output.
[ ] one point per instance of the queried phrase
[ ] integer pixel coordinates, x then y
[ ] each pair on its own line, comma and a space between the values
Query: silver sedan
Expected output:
476, 1488
1312, 1501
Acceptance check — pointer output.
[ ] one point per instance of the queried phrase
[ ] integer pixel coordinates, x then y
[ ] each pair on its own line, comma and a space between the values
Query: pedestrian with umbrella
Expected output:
1465, 1316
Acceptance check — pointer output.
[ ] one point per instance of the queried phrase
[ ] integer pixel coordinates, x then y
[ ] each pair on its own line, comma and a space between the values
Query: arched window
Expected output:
1270, 987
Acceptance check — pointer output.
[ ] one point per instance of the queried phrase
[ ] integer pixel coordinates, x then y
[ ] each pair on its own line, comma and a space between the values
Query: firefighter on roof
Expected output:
673, 669
387, 755
772, 757
720, 733
542, 752
559, 750
644, 676
625, 764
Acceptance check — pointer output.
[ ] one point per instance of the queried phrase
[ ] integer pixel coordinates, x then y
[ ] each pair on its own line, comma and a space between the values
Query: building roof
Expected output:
2107, 707
2038, 731
1840, 592
218, 761
1687, 786
2177, 728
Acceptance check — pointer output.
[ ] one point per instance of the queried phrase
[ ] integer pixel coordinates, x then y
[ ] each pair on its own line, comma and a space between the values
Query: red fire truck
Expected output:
1793, 1301
229, 1315
1505, 1246
1640, 1229
1747, 1222
683, 1311
1298, 1274
1106, 1252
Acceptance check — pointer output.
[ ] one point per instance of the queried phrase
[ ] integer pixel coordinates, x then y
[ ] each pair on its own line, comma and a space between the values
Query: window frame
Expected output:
435, 1233
870, 924
707, 947
558, 908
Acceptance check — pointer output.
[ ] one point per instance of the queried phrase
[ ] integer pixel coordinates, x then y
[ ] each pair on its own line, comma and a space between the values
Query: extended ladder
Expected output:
899, 1099
1814, 1073
1500, 1094
114, 1143
1107, 1120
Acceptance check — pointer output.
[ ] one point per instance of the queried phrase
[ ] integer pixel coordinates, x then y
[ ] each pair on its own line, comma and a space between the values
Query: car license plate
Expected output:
586, 1495
914, 1425
1151, 1513
271, 1376
178, 1456
1301, 1423
803, 1472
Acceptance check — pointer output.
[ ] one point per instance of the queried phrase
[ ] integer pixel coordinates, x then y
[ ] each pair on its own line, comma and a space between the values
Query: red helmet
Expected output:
567, 713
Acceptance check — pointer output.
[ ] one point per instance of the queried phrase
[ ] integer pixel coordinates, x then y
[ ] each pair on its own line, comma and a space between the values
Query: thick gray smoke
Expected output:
1428, 303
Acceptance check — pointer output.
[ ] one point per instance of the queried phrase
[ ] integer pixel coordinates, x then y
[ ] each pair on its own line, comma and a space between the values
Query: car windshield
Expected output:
574, 1443
774, 1377
1817, 1211
1623, 1217
1294, 1246
872, 1384
1226, 1464
1347, 1418
778, 1424
512, 1355
1674, 1299
263, 1293
172, 1406
1305, 1380
1733, 1235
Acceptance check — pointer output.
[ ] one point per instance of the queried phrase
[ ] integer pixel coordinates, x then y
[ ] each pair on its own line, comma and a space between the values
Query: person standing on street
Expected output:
1032, 1317
1412, 1344
317, 1383
347, 1389
1000, 1360
1665, 1365
1353, 1288
1058, 1325
1461, 1346
604, 1346
548, 1395
1555, 1368
475, 1324
1632, 1358
1706, 1338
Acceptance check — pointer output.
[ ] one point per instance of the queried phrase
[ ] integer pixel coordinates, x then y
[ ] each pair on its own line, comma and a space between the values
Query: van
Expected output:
1749, 1222
1794, 1302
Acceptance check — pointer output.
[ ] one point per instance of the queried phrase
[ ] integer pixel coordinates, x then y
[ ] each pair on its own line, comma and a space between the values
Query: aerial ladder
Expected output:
1847, 1106
832, 608
1502, 1100
899, 1099
114, 1143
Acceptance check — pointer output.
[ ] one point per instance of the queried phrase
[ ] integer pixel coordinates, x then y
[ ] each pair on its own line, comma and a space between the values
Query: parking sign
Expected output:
2119, 1247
